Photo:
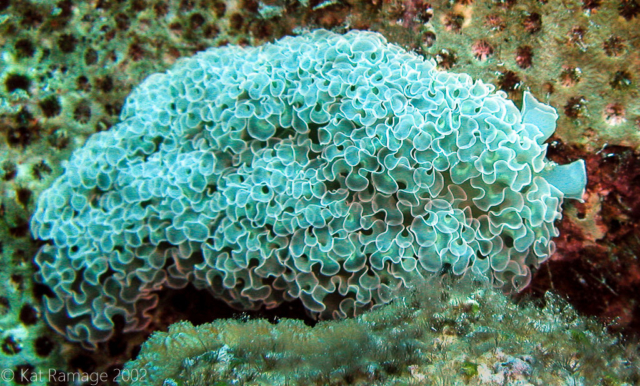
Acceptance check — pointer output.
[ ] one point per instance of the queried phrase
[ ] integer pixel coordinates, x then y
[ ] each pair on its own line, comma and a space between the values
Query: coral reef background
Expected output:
66, 67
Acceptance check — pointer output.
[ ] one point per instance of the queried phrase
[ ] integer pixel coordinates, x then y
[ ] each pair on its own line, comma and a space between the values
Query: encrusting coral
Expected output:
444, 333
333, 169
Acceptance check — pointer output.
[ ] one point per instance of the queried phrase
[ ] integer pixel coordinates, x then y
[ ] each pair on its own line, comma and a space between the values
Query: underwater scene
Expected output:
319, 192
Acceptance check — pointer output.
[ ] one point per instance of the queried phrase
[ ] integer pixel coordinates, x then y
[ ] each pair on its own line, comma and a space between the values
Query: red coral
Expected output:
614, 114
532, 23
570, 76
495, 22
614, 46
524, 57
482, 50
453, 21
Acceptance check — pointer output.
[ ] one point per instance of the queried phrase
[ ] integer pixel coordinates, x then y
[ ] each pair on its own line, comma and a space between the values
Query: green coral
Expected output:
431, 336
